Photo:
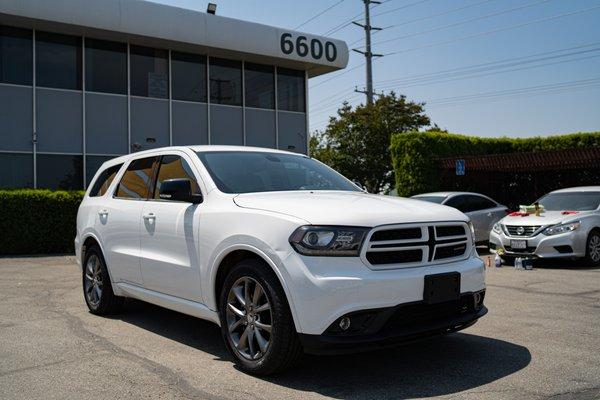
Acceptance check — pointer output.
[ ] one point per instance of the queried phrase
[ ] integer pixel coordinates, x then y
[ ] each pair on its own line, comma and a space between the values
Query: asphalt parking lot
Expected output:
540, 340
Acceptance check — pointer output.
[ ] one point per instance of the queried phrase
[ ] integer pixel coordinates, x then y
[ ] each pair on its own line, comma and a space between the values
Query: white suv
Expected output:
284, 253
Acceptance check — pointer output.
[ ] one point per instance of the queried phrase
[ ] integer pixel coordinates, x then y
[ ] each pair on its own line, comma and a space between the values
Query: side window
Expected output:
477, 203
486, 203
136, 180
174, 167
459, 202
104, 180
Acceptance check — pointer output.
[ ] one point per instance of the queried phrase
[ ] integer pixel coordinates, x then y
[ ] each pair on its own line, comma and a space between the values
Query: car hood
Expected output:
545, 218
348, 208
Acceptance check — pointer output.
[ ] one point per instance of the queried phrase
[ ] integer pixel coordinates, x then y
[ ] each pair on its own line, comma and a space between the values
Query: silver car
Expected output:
483, 211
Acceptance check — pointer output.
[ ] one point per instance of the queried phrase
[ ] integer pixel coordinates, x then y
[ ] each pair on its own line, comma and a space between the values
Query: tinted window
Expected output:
104, 180
458, 202
225, 82
174, 167
582, 201
16, 170
136, 180
189, 77
290, 90
245, 172
105, 66
259, 84
59, 172
149, 72
431, 199
58, 61
481, 203
16, 58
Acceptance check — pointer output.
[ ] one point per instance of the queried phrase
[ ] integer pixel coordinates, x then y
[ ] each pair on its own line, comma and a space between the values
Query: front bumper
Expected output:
323, 289
392, 326
564, 245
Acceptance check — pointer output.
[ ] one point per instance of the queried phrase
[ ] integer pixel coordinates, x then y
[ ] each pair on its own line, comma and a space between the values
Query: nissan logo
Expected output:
520, 230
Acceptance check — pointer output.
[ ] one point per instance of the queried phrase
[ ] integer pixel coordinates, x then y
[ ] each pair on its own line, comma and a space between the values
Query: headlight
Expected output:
561, 228
328, 240
497, 227
472, 228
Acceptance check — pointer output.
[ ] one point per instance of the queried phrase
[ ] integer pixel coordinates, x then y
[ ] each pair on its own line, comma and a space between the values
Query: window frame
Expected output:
156, 171
118, 174
151, 184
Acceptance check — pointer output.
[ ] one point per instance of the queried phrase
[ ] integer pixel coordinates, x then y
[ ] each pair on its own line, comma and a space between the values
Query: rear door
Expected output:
169, 235
119, 221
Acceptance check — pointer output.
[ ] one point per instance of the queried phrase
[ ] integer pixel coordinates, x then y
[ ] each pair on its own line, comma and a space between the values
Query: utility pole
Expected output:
367, 53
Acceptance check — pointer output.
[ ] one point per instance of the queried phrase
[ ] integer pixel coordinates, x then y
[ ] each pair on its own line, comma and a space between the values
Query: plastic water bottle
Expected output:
497, 261
518, 263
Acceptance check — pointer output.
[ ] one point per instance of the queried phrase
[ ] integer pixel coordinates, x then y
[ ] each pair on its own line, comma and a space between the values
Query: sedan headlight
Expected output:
561, 228
497, 227
312, 240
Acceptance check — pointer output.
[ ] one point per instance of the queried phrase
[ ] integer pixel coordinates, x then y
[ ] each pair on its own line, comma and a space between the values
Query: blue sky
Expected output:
558, 93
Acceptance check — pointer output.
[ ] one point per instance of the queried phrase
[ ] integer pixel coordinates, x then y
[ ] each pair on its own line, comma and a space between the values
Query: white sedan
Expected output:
568, 227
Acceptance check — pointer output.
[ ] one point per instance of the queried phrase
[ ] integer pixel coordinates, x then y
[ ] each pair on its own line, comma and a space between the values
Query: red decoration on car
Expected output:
518, 214
569, 212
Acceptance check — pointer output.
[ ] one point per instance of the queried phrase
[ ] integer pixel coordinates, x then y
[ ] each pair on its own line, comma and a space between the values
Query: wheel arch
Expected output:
90, 239
234, 254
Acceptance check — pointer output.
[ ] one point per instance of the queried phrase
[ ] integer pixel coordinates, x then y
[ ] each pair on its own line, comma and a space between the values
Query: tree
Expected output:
356, 141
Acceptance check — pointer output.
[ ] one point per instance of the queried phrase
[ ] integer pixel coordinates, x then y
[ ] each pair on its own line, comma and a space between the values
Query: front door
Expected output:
169, 236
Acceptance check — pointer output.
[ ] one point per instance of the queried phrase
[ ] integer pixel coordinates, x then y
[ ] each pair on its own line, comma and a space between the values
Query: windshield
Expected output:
248, 172
575, 201
431, 199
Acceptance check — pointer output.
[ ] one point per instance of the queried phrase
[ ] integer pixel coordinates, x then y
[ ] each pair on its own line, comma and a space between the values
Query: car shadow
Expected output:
436, 367
558, 263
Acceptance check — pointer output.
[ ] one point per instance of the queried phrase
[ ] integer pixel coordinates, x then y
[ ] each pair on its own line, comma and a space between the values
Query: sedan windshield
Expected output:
575, 201
248, 172
431, 199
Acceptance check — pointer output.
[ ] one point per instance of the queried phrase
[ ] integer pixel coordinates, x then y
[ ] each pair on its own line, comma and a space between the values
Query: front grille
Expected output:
403, 246
419, 314
528, 230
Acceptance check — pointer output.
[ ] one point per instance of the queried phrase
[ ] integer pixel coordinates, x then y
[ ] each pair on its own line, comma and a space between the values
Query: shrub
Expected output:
37, 221
415, 154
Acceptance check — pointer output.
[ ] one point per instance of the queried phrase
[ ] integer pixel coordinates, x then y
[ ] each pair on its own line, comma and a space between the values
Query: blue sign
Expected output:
460, 167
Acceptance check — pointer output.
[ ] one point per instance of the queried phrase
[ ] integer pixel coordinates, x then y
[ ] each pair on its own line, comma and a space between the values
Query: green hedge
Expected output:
37, 221
414, 154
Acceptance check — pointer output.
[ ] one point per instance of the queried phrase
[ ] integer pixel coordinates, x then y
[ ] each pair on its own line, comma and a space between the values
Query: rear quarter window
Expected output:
104, 180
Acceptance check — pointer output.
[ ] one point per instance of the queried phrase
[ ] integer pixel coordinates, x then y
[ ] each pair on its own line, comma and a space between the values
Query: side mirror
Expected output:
178, 190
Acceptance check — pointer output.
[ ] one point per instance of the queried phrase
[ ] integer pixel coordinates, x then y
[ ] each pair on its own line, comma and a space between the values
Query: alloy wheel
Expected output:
594, 248
93, 280
249, 318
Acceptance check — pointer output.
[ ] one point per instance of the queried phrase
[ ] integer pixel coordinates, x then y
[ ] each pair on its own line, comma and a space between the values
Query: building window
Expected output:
189, 77
290, 90
149, 72
16, 60
58, 61
225, 82
16, 170
105, 66
259, 84
59, 171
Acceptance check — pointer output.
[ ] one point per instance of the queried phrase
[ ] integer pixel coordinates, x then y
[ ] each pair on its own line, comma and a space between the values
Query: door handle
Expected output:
103, 213
149, 216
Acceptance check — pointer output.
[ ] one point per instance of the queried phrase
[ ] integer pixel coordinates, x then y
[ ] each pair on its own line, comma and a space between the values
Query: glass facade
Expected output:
16, 55
105, 66
291, 90
87, 107
58, 61
225, 82
259, 85
149, 72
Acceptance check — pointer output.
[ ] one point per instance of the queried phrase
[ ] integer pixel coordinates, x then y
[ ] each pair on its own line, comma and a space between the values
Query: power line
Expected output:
348, 22
505, 28
416, 3
439, 28
319, 14
344, 72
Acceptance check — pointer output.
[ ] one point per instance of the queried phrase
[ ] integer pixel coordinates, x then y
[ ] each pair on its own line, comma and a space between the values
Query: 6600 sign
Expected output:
304, 47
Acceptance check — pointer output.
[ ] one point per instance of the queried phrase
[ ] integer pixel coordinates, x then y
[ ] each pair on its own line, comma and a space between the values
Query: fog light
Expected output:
345, 323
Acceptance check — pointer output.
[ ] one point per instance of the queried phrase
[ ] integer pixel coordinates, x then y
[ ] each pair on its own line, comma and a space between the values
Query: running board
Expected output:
171, 302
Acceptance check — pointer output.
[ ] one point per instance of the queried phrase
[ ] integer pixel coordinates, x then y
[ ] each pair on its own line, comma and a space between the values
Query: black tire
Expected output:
106, 302
284, 349
591, 257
